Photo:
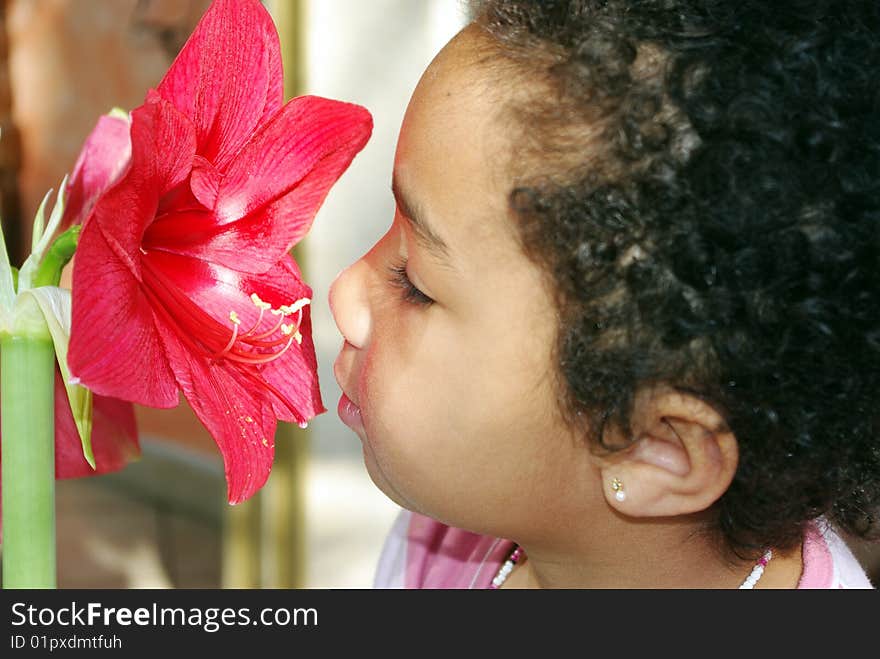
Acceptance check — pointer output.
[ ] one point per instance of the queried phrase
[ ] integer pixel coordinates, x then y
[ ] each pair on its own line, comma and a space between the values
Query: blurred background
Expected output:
163, 521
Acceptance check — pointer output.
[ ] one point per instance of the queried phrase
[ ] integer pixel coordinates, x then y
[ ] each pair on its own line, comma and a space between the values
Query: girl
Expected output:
624, 330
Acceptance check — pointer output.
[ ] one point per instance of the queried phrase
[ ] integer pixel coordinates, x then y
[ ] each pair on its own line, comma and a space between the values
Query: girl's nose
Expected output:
349, 304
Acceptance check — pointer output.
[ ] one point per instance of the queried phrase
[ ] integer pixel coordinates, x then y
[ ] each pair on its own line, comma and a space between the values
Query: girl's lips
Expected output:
349, 413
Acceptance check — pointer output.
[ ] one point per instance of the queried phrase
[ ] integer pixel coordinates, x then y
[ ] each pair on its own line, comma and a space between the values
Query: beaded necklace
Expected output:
507, 567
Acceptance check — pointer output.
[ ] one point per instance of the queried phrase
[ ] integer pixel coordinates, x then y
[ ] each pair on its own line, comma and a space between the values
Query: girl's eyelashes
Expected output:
400, 279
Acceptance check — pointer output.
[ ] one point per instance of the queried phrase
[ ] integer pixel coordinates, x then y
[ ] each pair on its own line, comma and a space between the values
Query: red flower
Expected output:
182, 280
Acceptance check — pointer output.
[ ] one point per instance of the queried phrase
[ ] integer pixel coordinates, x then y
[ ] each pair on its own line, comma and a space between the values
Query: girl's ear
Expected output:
682, 460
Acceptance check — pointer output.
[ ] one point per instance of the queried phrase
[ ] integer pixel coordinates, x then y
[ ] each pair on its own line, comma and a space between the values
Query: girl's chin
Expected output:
380, 481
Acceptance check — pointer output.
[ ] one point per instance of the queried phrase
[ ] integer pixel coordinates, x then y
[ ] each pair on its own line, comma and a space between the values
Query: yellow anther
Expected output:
299, 304
288, 309
287, 330
234, 318
259, 303
298, 338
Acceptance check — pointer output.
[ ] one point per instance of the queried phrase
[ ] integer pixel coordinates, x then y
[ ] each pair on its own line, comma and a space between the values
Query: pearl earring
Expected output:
617, 486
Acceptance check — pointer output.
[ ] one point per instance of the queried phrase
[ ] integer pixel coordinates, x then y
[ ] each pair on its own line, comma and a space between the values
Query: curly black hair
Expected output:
702, 184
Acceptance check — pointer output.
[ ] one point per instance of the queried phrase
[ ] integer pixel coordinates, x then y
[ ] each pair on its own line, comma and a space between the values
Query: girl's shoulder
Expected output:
421, 552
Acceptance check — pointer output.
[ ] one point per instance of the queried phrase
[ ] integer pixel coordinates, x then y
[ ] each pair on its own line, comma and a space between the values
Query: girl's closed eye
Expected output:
411, 293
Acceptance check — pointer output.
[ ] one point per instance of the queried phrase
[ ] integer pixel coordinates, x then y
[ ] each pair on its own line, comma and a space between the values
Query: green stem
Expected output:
27, 397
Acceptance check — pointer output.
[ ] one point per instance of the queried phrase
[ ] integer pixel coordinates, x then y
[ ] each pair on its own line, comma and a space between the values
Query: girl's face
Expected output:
447, 367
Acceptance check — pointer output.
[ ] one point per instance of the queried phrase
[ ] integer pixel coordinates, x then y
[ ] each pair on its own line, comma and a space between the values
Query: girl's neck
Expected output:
684, 563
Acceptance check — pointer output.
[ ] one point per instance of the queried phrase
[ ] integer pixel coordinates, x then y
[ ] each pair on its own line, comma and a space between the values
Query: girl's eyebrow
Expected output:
425, 234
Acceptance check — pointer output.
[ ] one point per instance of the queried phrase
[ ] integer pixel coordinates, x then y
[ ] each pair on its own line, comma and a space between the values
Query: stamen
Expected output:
286, 310
289, 330
252, 358
201, 332
293, 308
259, 303
296, 306
236, 321
271, 331
262, 306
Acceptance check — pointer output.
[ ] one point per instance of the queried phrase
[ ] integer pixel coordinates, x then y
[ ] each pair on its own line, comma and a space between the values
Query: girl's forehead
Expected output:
453, 152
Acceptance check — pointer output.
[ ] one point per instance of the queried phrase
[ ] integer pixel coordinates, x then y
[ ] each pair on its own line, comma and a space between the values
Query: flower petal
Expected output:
271, 193
227, 78
112, 329
102, 160
114, 436
204, 182
113, 335
307, 131
216, 290
241, 421
292, 378
163, 149
310, 133
163, 146
295, 373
